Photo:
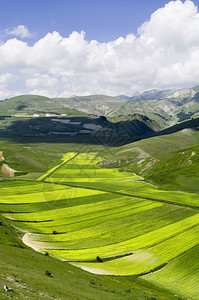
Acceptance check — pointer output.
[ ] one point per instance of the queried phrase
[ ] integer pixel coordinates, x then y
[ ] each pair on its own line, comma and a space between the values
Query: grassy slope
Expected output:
169, 161
180, 279
176, 170
112, 107
39, 157
156, 145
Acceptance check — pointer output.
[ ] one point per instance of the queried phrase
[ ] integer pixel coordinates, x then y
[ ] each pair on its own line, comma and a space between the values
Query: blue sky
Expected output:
103, 20
62, 48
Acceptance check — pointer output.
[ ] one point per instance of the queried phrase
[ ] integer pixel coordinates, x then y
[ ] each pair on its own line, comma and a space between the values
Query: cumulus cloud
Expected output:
163, 54
20, 31
4, 79
41, 81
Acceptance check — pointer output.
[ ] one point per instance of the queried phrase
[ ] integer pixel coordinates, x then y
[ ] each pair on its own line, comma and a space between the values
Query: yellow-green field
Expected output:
108, 222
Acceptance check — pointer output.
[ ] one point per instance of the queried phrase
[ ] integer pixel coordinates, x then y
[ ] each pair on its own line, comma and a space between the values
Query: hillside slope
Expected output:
112, 107
169, 161
33, 105
94, 104
173, 105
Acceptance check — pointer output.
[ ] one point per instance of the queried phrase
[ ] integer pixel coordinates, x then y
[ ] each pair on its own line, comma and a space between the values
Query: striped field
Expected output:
108, 222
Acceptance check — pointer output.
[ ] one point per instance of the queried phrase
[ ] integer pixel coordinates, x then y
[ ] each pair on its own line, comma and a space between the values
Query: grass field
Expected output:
178, 277
102, 220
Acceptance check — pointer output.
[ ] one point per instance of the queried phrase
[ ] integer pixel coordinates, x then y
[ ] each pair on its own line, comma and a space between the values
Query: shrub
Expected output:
48, 274
99, 259
55, 232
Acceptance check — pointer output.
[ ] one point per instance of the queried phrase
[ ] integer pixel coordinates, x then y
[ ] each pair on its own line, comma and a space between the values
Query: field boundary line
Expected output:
51, 171
129, 195
119, 193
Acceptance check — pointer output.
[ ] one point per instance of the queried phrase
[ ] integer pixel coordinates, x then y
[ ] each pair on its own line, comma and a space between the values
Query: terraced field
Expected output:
107, 222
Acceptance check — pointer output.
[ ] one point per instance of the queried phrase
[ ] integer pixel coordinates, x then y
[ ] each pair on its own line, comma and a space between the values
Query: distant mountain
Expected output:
172, 106
93, 104
123, 97
150, 95
165, 107
112, 107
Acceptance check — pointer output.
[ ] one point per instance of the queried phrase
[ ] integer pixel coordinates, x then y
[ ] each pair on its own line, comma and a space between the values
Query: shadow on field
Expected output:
83, 130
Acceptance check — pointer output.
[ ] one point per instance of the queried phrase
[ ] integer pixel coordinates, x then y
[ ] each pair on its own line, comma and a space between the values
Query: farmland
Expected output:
105, 221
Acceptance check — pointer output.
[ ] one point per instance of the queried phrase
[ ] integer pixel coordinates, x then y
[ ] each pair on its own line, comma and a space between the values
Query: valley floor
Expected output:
106, 222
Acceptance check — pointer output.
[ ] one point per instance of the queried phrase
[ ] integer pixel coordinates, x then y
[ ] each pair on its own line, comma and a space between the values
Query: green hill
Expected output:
169, 161
30, 105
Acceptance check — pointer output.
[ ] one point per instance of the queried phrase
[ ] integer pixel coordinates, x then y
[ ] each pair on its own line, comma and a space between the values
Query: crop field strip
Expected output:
78, 211
147, 260
55, 204
138, 190
29, 189
125, 216
87, 220
96, 229
85, 236
55, 195
178, 277
142, 241
84, 243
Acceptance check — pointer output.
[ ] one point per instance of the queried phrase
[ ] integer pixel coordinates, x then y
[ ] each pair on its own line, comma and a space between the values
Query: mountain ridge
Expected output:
166, 107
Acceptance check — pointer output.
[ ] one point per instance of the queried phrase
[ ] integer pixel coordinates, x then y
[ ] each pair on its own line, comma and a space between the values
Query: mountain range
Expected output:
134, 117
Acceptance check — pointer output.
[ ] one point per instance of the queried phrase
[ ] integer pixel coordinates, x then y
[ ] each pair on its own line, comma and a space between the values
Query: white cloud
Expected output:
164, 54
41, 81
20, 31
4, 79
